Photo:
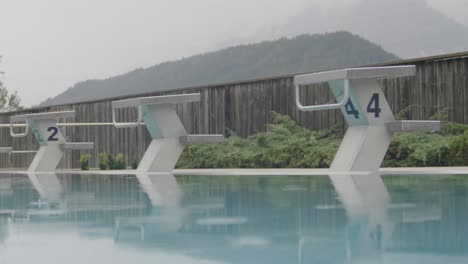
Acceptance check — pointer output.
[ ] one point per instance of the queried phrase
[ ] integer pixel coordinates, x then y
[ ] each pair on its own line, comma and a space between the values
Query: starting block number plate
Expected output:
45, 132
364, 107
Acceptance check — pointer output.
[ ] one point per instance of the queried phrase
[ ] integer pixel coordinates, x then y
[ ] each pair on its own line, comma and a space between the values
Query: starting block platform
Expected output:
168, 134
370, 120
51, 140
7, 150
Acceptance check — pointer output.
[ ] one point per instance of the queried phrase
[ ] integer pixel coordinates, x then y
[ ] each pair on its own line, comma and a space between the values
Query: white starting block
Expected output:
51, 141
366, 111
166, 129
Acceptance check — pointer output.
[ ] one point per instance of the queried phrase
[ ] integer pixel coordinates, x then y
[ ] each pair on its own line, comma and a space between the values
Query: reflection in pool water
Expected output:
50, 218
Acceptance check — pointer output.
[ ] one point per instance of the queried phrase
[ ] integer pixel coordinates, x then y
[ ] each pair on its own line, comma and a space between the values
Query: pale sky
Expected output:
49, 45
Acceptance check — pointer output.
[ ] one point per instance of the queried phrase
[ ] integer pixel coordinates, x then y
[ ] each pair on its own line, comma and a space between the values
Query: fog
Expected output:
456, 9
49, 45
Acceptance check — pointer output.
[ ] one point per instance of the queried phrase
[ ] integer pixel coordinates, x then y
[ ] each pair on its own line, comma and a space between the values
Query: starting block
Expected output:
168, 134
369, 117
51, 141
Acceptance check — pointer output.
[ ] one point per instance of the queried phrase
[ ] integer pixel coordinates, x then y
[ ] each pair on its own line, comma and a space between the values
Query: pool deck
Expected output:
267, 172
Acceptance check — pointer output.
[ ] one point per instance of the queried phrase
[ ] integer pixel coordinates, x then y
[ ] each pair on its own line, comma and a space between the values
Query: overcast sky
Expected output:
49, 45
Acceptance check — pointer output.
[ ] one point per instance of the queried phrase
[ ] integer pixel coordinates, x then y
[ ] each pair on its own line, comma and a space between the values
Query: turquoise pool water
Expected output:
48, 218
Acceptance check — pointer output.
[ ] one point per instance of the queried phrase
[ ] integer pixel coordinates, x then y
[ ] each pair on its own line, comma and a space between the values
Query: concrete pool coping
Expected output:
265, 172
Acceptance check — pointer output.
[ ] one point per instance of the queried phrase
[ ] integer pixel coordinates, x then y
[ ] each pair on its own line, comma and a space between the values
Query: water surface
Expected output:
48, 218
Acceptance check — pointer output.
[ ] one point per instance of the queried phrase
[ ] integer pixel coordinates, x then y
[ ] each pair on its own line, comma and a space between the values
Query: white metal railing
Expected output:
322, 106
17, 135
127, 124
63, 124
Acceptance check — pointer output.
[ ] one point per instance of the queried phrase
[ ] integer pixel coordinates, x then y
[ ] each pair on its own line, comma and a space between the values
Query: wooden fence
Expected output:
440, 86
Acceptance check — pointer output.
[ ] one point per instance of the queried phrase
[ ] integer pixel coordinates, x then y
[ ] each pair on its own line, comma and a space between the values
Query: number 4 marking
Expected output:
374, 101
350, 110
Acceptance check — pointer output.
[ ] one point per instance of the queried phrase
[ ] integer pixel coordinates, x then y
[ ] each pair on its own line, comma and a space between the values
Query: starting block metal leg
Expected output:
362, 149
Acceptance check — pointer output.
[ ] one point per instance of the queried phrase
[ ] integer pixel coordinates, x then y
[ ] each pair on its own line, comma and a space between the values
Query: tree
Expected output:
9, 101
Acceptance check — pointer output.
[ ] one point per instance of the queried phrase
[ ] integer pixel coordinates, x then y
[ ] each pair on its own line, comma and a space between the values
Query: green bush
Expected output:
110, 162
119, 162
134, 164
287, 145
458, 150
103, 161
452, 129
417, 150
106, 161
84, 161
284, 145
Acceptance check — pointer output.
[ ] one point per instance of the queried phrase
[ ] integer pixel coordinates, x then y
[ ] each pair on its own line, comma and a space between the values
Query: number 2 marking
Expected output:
53, 136
376, 109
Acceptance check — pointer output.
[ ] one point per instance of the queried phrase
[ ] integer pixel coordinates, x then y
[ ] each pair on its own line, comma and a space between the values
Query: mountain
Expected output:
455, 9
407, 28
305, 53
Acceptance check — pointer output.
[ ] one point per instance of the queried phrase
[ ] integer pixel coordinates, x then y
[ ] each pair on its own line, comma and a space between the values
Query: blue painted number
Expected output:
53, 136
374, 106
350, 110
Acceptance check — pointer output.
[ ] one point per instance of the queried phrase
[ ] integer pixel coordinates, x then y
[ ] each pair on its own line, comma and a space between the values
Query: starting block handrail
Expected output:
322, 106
17, 135
347, 75
136, 123
139, 102
23, 151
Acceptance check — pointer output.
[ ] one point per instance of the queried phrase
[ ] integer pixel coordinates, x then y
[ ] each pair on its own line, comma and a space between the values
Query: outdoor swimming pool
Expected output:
73, 218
